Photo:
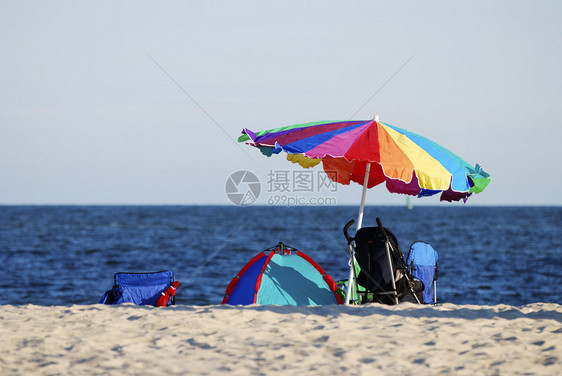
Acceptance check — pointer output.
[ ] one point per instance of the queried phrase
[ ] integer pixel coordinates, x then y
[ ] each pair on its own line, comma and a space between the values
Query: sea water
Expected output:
64, 255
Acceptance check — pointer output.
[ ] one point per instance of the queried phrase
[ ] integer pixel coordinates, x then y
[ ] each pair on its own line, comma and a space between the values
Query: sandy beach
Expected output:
281, 340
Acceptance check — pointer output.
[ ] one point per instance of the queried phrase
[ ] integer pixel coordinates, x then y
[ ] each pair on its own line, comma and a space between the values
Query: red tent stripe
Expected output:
333, 287
258, 282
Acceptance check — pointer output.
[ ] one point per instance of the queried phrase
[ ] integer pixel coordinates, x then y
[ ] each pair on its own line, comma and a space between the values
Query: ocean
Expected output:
65, 255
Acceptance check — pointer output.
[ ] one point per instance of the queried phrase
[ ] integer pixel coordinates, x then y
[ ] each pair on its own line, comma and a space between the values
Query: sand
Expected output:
281, 340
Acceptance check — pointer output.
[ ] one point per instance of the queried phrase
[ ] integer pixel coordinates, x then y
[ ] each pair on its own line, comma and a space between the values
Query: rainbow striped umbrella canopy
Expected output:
406, 162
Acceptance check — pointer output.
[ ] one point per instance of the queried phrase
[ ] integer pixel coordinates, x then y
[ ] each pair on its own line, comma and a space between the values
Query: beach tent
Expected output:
283, 276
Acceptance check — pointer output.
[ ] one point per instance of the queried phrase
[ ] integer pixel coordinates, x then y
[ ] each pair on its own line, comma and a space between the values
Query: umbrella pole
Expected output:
363, 195
350, 278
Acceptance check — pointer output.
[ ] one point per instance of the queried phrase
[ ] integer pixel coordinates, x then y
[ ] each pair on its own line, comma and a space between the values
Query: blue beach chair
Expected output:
156, 289
422, 263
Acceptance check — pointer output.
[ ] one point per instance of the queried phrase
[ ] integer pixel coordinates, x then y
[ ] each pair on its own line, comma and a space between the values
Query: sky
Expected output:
136, 102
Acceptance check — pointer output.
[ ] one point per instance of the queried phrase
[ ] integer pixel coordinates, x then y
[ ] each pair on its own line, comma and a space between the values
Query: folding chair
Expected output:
156, 289
422, 263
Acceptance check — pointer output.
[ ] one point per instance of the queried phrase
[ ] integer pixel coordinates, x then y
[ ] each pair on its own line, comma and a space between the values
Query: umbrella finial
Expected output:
376, 117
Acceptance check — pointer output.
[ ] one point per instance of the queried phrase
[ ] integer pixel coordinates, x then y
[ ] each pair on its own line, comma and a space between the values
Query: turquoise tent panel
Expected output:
291, 280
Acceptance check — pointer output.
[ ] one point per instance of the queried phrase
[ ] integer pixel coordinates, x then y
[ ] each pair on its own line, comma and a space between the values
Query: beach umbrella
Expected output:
370, 152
